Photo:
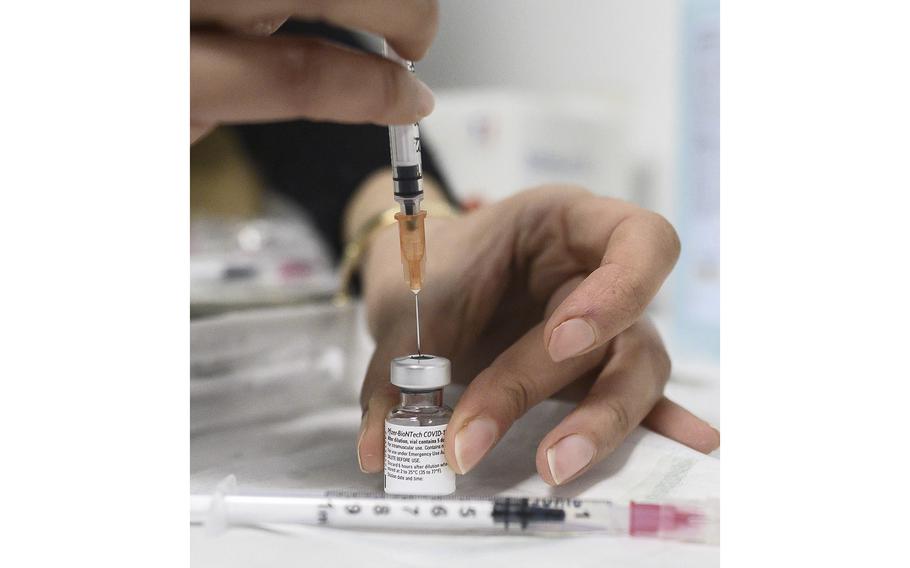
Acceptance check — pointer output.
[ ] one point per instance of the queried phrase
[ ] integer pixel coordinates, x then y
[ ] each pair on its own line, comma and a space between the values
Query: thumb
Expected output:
377, 397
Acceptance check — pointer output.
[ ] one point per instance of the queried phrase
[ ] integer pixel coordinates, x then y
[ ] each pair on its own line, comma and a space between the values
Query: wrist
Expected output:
374, 195
369, 215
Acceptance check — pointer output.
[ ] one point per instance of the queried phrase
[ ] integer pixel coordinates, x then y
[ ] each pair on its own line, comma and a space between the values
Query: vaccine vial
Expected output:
415, 461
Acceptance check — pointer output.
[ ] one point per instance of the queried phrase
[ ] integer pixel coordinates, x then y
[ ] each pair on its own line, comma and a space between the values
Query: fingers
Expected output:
248, 79
641, 249
377, 397
666, 418
675, 422
623, 394
408, 25
518, 379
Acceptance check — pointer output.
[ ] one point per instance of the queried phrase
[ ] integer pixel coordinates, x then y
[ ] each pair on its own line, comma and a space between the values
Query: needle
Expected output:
417, 315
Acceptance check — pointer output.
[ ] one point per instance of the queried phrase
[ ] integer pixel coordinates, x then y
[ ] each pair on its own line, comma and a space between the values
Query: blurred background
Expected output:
621, 97
624, 101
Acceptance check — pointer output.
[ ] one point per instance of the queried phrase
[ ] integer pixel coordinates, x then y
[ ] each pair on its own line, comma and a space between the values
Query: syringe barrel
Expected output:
404, 147
407, 172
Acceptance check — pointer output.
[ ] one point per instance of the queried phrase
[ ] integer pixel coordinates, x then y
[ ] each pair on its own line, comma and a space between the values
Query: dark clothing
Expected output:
319, 164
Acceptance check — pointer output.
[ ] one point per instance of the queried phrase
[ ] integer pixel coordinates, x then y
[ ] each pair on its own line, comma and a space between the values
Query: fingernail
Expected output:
425, 99
567, 456
265, 27
473, 441
363, 428
570, 338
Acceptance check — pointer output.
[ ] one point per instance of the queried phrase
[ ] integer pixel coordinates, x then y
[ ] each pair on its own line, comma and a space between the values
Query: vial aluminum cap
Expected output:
421, 372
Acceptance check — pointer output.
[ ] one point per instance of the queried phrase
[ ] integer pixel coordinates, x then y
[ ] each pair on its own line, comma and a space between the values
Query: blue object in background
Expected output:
697, 291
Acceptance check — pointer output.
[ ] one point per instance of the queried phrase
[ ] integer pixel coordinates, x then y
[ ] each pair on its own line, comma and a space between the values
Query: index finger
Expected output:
408, 25
636, 254
517, 380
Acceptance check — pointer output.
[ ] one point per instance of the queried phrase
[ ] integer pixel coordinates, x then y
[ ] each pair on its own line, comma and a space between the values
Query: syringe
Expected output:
684, 521
407, 176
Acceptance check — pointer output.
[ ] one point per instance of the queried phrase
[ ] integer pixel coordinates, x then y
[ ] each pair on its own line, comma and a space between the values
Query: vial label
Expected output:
415, 462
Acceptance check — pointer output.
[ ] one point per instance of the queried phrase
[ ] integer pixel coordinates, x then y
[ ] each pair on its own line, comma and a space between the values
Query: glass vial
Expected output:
415, 461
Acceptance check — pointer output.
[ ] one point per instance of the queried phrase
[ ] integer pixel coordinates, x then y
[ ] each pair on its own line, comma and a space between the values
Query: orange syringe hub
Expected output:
413, 247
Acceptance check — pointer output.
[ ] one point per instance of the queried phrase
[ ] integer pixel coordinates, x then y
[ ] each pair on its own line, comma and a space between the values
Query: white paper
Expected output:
313, 447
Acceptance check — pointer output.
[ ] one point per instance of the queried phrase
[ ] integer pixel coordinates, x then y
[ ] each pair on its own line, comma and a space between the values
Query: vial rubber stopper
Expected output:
421, 372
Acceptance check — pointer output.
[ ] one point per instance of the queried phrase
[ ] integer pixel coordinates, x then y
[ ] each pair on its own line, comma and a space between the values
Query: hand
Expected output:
240, 74
536, 295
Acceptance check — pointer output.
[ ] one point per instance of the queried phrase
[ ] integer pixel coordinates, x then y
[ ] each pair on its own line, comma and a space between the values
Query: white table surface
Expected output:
275, 403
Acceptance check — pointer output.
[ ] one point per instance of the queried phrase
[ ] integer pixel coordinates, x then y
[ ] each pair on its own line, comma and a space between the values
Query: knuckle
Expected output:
642, 336
630, 293
645, 350
515, 390
544, 211
662, 363
518, 397
654, 365
615, 414
667, 234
